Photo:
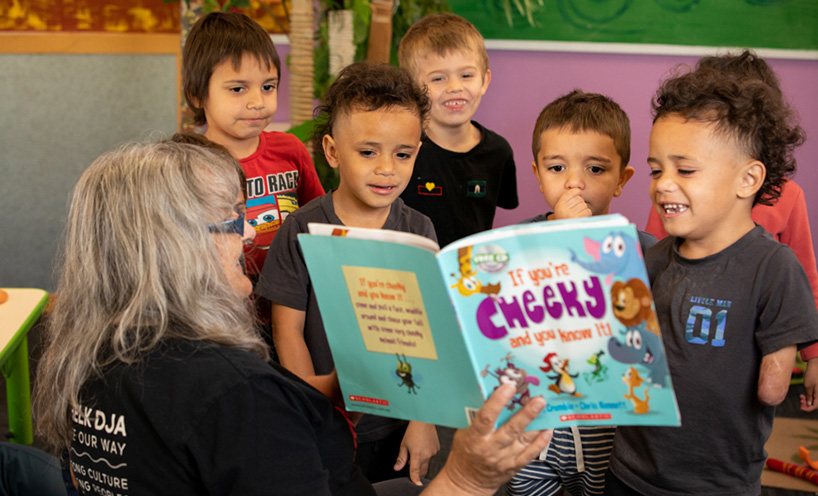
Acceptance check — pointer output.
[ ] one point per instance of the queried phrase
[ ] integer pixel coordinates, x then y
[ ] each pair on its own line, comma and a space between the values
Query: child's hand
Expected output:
571, 206
419, 445
809, 401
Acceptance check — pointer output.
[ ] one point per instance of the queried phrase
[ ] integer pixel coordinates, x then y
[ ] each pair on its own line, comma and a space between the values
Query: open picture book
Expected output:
561, 309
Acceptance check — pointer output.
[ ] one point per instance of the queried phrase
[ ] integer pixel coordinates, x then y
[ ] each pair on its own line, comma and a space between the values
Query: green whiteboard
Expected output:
776, 24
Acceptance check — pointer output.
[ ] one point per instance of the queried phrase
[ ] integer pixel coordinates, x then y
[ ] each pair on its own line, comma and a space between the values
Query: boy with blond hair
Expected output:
463, 171
371, 134
733, 303
581, 146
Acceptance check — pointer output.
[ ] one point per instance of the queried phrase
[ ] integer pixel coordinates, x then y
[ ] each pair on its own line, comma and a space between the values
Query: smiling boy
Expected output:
733, 304
231, 73
463, 171
374, 115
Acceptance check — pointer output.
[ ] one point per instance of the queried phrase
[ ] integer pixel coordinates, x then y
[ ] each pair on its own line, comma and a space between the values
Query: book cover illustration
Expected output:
392, 331
559, 310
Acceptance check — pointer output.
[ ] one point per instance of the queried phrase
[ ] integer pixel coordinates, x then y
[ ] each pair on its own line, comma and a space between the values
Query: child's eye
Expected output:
654, 173
404, 155
367, 153
269, 87
436, 79
236, 89
466, 76
595, 169
686, 172
556, 168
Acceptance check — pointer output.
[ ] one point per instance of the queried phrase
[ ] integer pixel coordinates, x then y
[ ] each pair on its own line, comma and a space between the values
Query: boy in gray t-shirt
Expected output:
733, 304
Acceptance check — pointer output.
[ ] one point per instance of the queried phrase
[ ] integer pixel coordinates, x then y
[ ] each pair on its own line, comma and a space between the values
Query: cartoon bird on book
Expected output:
467, 283
564, 382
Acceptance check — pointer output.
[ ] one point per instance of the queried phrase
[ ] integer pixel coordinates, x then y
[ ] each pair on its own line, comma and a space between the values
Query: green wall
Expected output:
781, 24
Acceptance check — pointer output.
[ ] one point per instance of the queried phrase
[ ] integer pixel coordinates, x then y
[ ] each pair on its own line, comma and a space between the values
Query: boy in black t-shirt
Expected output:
463, 171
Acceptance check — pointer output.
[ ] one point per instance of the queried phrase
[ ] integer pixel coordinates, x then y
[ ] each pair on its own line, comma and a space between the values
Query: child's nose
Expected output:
255, 101
385, 167
574, 179
664, 183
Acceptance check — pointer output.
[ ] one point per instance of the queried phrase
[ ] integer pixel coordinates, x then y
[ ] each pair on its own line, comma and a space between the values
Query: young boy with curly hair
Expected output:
786, 218
733, 303
374, 115
463, 171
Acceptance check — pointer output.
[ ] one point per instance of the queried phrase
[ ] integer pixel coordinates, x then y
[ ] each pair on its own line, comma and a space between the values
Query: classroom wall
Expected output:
58, 112
524, 82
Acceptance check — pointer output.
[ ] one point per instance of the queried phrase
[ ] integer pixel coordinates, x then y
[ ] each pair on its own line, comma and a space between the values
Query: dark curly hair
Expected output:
741, 96
369, 86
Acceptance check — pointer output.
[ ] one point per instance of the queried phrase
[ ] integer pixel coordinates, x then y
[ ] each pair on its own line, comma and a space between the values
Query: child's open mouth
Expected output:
674, 208
381, 188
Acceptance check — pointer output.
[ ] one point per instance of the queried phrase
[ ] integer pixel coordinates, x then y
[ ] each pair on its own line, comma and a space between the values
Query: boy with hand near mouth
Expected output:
463, 171
374, 116
581, 146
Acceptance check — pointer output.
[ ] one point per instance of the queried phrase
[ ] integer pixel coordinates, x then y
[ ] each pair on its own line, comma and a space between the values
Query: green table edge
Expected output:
14, 364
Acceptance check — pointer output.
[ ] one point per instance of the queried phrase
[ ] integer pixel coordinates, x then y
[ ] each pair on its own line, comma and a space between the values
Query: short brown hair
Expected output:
369, 86
216, 37
440, 34
580, 111
740, 95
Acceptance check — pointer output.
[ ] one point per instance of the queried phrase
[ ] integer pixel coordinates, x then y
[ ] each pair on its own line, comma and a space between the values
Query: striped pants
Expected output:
575, 461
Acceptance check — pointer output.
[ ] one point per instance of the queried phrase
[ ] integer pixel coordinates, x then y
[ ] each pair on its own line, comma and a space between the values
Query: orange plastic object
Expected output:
804, 454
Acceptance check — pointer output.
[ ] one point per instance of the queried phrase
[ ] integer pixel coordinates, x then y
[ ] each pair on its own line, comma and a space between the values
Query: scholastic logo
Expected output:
585, 416
364, 399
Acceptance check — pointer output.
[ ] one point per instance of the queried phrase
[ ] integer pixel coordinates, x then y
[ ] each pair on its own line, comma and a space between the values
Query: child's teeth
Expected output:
674, 208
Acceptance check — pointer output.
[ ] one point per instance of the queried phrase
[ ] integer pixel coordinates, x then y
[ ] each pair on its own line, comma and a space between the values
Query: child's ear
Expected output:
534, 170
486, 81
752, 177
330, 151
624, 177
